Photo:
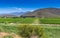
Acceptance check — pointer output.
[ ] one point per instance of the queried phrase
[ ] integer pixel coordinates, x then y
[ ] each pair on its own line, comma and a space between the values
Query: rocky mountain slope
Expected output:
46, 12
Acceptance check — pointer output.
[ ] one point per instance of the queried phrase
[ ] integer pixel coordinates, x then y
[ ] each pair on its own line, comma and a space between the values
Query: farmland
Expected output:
24, 30
16, 20
30, 20
50, 31
50, 21
13, 26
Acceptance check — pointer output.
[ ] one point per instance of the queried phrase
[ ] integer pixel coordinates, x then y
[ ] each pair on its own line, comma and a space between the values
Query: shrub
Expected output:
29, 30
8, 37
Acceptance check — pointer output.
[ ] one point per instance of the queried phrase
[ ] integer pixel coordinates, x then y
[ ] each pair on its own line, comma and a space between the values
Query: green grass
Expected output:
16, 20
8, 37
9, 29
23, 30
50, 21
52, 31
30, 20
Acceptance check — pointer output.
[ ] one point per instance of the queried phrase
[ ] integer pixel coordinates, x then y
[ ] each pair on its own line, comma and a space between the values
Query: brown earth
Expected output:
2, 34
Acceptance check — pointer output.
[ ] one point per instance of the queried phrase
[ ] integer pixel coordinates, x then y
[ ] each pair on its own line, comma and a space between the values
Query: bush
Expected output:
8, 37
29, 30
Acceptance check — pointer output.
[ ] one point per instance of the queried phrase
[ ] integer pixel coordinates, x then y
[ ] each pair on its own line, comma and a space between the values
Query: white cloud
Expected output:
10, 10
14, 9
19, 9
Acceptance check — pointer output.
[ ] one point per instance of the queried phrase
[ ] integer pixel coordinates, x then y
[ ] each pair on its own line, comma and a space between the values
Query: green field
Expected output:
50, 31
16, 20
30, 20
50, 20
9, 29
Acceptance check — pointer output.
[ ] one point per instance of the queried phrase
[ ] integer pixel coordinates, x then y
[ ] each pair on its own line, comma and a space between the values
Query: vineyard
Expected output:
30, 20
12, 26
50, 21
16, 20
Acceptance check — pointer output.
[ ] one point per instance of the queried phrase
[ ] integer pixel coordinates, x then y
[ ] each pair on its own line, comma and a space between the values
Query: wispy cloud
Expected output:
14, 9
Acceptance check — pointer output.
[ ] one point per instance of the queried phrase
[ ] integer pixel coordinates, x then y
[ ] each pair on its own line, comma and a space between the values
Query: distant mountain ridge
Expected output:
46, 12
13, 14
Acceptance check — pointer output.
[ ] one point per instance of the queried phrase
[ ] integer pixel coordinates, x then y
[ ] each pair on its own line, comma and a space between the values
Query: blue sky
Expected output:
8, 6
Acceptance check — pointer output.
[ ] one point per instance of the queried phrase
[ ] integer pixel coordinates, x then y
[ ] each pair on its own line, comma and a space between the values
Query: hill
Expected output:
46, 13
13, 14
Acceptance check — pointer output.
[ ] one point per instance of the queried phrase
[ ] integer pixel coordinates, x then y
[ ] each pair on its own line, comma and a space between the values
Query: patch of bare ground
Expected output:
2, 34
36, 22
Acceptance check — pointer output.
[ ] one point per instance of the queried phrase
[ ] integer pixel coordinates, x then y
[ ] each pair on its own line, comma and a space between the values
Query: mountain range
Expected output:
45, 12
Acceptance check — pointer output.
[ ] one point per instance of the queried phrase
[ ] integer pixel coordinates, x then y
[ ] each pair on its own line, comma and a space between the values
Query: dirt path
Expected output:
36, 21
2, 34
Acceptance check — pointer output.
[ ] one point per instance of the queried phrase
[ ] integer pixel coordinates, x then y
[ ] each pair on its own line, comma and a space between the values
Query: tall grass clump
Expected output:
31, 30
8, 37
